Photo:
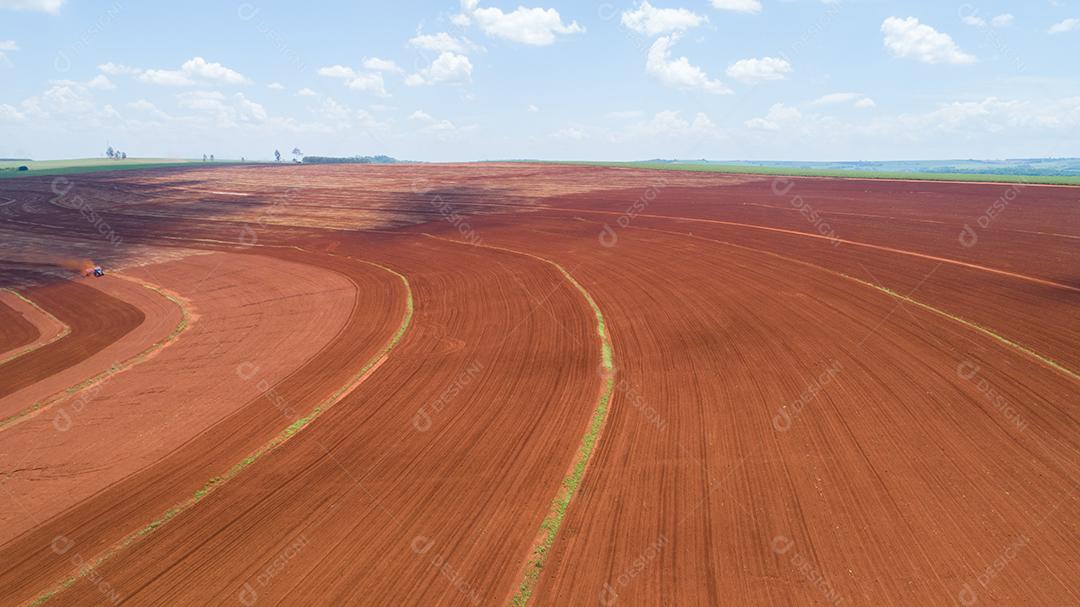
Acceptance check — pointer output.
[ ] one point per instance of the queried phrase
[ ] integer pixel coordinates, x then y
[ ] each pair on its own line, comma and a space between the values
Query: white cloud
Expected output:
779, 116
857, 99
62, 100
534, 26
835, 98
276, 86
909, 39
368, 82
533, 109
142, 105
679, 73
10, 114
449, 68
991, 115
443, 42
338, 114
739, 6
7, 45
570, 133
100, 82
193, 71
165, 78
1002, 20
380, 65
759, 70
440, 126
337, 71
213, 72
432, 124
306, 92
669, 124
116, 69
652, 21
227, 111
1065, 25
45, 6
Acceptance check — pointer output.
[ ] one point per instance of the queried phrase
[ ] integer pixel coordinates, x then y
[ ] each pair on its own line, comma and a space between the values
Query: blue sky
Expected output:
493, 79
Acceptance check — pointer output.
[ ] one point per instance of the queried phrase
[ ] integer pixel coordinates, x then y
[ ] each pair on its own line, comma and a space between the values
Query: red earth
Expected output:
496, 383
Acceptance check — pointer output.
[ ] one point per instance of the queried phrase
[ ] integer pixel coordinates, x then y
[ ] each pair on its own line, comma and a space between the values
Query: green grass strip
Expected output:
75, 168
967, 323
217, 482
735, 169
554, 519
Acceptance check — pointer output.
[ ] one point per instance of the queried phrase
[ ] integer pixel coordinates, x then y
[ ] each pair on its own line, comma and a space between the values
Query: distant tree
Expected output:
204, 157
110, 152
277, 155
242, 159
211, 157
296, 152
123, 155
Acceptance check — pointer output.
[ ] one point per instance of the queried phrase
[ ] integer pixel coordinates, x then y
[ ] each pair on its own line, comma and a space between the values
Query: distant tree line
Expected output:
349, 160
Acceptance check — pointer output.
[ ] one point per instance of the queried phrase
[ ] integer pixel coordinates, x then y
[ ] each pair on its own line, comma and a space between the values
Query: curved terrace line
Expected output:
1045, 360
549, 528
184, 324
64, 331
287, 434
856, 243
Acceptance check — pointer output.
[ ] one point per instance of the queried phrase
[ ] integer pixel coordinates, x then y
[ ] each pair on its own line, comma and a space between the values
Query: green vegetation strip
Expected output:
967, 323
62, 334
9, 169
218, 481
549, 528
185, 320
840, 173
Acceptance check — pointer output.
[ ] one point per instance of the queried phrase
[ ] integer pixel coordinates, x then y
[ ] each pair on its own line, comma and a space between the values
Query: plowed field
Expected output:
550, 385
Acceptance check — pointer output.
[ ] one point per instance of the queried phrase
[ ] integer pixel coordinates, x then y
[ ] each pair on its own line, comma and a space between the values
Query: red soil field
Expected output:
160, 318
822, 391
96, 320
15, 331
43, 327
